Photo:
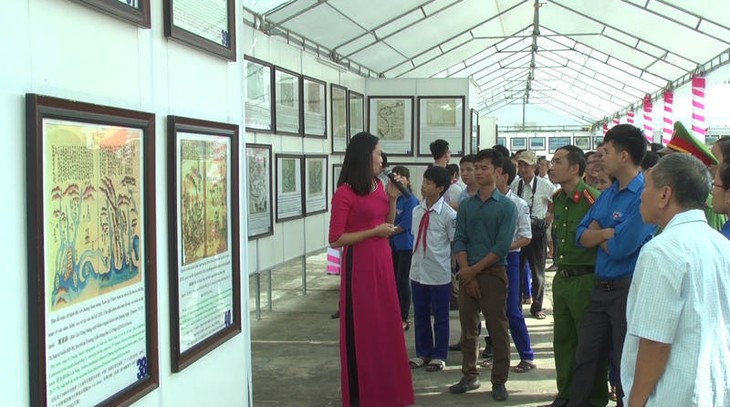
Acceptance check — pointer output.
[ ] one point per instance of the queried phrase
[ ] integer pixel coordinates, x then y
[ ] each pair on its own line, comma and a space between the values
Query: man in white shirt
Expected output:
678, 315
537, 192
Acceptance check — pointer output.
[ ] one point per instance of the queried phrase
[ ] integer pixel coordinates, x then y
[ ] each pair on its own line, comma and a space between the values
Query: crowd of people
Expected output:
639, 239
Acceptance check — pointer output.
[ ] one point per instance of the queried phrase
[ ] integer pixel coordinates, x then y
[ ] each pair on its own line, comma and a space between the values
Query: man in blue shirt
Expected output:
614, 225
485, 226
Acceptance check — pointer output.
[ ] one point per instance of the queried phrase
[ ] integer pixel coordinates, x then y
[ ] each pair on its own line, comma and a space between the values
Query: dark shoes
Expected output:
499, 392
455, 347
465, 384
488, 351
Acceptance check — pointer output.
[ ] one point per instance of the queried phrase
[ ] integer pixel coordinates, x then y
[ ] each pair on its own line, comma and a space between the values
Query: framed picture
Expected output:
315, 107
474, 145
597, 140
134, 11
91, 253
582, 142
289, 189
357, 113
441, 117
340, 116
315, 184
391, 119
208, 25
537, 143
336, 170
555, 143
517, 143
205, 275
287, 106
259, 100
502, 141
260, 217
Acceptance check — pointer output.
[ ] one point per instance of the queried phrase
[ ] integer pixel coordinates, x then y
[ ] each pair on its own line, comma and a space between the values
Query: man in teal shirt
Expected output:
485, 226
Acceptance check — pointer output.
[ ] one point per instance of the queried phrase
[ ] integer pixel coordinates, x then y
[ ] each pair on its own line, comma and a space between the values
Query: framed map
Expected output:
289, 188
340, 116
134, 11
555, 143
582, 142
260, 219
474, 144
259, 101
315, 107
91, 253
205, 275
336, 170
391, 119
356, 113
502, 141
287, 106
441, 117
208, 25
518, 143
537, 143
315, 184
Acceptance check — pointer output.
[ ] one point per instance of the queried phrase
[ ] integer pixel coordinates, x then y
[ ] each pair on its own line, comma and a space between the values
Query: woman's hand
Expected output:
392, 190
384, 230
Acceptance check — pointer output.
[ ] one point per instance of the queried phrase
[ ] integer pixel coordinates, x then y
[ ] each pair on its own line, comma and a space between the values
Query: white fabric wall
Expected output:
62, 49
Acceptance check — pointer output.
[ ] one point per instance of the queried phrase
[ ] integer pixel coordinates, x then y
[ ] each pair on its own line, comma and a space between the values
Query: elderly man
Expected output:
677, 310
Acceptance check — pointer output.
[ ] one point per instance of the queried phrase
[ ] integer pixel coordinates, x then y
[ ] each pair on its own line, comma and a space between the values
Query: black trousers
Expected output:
536, 253
402, 268
603, 328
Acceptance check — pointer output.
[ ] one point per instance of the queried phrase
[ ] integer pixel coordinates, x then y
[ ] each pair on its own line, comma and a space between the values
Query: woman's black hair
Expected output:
357, 167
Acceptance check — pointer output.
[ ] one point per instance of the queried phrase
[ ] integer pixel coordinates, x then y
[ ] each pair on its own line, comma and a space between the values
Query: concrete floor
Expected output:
296, 351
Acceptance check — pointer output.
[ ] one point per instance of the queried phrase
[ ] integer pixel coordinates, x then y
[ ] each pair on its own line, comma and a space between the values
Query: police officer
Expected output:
575, 276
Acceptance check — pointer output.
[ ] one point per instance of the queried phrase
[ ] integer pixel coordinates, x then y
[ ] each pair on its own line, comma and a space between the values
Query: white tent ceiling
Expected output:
588, 59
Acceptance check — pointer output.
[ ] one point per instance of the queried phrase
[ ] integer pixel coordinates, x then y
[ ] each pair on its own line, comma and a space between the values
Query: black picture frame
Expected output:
517, 143
103, 156
316, 200
396, 106
340, 118
554, 143
262, 173
425, 116
205, 155
355, 116
225, 47
537, 144
259, 104
139, 16
474, 125
283, 105
336, 170
314, 126
286, 188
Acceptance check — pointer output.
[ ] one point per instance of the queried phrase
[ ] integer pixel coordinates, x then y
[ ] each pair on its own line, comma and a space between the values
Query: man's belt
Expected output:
610, 285
575, 271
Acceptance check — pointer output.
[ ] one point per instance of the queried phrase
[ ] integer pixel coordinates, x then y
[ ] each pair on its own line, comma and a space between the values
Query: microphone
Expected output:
403, 190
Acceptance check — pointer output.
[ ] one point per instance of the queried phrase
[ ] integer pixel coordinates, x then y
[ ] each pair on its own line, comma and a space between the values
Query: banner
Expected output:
648, 118
699, 127
668, 117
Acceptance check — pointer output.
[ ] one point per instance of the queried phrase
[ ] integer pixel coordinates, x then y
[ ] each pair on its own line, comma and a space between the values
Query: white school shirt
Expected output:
544, 191
524, 228
434, 266
679, 296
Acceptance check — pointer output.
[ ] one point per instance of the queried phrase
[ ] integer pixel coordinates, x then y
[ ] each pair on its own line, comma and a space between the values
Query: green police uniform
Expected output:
572, 286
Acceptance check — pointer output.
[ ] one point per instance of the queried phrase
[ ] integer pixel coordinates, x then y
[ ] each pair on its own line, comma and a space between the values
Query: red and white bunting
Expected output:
648, 124
616, 121
668, 117
698, 107
605, 127
630, 117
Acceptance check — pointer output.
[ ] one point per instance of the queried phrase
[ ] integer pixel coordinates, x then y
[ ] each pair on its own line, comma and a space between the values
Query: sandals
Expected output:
417, 362
539, 315
406, 325
524, 366
435, 365
486, 363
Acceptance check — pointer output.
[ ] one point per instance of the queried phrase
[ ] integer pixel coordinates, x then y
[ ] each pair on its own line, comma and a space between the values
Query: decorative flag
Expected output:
605, 127
333, 260
630, 117
668, 117
615, 121
648, 125
699, 127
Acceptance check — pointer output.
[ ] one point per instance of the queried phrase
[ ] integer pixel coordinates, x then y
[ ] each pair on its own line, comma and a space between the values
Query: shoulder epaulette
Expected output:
589, 197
